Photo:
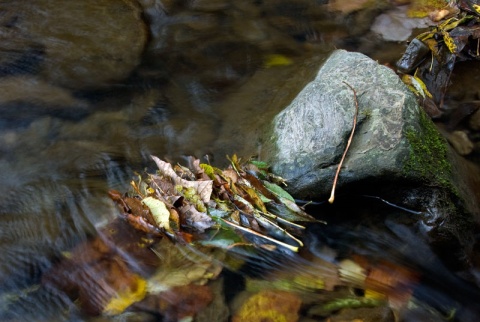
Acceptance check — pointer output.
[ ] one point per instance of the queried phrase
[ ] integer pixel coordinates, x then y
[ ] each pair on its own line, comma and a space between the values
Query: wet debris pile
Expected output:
430, 58
241, 206
177, 229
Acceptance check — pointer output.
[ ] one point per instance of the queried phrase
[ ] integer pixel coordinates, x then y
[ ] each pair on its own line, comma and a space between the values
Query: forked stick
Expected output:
332, 195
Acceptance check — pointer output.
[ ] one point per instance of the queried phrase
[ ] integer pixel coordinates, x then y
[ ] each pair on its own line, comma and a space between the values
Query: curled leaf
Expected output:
203, 188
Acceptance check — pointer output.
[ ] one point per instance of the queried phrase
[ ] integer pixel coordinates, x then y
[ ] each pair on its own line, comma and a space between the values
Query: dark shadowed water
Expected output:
90, 89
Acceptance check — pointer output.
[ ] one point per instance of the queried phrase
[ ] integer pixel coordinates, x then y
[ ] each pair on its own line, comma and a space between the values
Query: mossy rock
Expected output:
396, 149
394, 141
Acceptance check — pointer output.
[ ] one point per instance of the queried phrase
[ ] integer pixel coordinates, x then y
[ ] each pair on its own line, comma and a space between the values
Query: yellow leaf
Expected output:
452, 47
127, 297
476, 7
371, 294
257, 201
416, 85
159, 211
277, 60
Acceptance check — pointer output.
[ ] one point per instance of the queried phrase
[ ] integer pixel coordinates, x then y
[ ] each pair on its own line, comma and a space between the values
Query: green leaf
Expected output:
284, 212
278, 191
262, 165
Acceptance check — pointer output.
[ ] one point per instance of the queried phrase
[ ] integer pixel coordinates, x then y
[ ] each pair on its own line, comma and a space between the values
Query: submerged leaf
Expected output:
284, 211
180, 266
133, 293
350, 302
269, 305
277, 60
259, 238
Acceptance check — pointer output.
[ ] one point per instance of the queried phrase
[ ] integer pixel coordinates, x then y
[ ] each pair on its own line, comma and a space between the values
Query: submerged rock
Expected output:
25, 98
87, 43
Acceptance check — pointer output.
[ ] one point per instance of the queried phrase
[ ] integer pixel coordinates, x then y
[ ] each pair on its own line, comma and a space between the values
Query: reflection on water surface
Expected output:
89, 89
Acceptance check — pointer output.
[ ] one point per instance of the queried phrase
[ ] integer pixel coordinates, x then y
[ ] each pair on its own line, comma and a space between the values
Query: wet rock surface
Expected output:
396, 150
309, 136
49, 38
26, 98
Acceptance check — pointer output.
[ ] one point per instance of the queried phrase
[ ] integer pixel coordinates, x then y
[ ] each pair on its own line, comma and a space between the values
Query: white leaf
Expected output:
203, 188
196, 219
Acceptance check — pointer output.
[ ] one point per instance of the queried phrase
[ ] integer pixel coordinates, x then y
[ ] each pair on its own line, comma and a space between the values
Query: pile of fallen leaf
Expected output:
205, 212
428, 61
179, 227
243, 205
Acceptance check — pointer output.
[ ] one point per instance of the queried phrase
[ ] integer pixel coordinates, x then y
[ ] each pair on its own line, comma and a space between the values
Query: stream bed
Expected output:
90, 89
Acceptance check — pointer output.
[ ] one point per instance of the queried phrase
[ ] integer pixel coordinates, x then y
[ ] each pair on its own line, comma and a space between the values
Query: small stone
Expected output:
395, 25
460, 142
474, 122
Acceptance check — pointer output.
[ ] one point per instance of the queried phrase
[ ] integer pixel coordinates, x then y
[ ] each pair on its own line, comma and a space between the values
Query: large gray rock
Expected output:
307, 139
397, 153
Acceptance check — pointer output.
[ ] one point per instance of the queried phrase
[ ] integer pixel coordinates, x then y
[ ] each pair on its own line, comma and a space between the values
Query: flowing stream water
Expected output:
90, 89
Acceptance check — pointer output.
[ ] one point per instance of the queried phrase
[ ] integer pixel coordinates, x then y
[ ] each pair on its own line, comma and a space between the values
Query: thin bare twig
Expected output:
332, 195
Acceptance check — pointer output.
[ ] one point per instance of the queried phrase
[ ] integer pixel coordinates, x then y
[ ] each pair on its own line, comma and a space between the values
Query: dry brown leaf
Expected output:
203, 188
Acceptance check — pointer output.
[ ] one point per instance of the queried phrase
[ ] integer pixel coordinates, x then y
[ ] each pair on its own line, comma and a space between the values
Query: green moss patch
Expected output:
428, 157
